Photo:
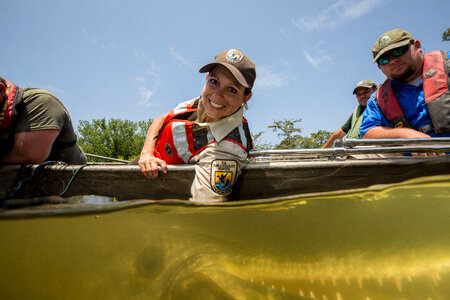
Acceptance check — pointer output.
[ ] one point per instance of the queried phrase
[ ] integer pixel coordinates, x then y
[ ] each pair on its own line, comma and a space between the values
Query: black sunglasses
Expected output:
384, 59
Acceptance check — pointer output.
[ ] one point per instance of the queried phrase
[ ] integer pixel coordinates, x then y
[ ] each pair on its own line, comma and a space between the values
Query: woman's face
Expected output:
222, 94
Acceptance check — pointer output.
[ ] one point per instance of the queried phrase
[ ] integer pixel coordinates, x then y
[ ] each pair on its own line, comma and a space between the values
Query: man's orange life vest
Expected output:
10, 97
436, 82
180, 139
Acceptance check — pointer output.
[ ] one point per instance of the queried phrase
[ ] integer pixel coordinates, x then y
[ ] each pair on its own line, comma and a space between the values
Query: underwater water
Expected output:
384, 242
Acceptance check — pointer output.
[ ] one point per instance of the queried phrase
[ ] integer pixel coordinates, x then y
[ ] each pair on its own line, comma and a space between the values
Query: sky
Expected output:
138, 59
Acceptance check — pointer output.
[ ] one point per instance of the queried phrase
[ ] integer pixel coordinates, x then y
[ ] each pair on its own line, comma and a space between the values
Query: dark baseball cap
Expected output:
240, 65
390, 40
364, 84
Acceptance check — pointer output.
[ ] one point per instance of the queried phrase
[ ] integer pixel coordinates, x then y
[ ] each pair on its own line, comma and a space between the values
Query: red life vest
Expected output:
180, 139
10, 97
436, 82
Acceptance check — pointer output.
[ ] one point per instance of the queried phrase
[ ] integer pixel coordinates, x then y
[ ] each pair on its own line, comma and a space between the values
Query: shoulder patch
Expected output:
430, 73
223, 175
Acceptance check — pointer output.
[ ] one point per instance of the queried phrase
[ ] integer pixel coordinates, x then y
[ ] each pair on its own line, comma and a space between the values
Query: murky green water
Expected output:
381, 243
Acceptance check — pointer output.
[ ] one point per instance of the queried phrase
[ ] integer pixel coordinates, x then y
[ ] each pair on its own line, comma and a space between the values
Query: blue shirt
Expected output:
411, 101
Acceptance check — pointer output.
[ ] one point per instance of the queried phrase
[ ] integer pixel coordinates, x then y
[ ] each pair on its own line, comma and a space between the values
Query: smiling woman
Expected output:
209, 131
222, 94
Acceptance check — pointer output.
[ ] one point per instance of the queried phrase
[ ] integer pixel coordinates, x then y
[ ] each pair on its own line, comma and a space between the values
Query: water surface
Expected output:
386, 242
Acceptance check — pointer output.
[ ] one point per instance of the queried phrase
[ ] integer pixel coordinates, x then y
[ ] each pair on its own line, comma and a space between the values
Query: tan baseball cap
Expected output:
364, 84
240, 65
390, 40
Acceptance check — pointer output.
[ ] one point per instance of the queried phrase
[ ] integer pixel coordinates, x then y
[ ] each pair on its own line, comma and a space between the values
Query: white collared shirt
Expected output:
220, 150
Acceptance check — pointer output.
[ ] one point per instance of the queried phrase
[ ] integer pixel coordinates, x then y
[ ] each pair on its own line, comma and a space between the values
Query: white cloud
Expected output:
145, 94
183, 61
317, 61
153, 71
267, 79
151, 77
140, 79
338, 13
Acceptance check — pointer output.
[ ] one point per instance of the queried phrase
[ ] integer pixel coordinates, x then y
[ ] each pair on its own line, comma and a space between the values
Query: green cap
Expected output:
240, 65
390, 40
364, 84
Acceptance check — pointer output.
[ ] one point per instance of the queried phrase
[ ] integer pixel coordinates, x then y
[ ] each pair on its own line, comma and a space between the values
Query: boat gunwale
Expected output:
275, 164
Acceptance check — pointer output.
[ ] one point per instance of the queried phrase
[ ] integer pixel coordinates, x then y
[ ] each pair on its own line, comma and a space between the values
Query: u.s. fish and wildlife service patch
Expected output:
223, 175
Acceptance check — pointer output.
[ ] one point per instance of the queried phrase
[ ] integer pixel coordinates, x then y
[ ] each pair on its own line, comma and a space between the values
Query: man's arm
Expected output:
31, 146
380, 132
338, 134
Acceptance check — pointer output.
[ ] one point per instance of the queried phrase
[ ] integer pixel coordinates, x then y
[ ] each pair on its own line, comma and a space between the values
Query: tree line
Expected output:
446, 35
124, 139
116, 138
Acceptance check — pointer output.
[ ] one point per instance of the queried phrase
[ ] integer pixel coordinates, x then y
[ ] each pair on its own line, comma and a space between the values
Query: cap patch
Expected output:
223, 174
384, 40
234, 55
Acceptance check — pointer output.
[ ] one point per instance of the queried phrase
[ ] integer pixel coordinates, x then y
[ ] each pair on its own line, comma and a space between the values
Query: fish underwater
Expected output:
385, 242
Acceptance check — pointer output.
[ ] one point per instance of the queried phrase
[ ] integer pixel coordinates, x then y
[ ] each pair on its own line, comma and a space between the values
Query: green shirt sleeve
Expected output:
40, 110
346, 127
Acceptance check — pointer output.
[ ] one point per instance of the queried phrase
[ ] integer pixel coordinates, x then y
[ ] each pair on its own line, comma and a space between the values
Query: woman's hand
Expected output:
147, 161
149, 165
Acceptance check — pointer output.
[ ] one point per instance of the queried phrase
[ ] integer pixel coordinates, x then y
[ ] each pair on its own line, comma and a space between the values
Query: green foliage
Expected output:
258, 144
114, 138
315, 140
291, 140
288, 130
446, 35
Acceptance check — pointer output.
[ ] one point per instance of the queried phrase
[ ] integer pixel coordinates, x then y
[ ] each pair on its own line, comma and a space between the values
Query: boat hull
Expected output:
260, 180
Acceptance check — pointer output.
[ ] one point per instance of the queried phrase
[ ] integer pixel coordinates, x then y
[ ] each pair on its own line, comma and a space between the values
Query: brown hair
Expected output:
201, 113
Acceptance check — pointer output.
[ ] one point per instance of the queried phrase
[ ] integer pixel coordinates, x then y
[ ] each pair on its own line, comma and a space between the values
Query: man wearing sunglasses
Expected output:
414, 101
362, 91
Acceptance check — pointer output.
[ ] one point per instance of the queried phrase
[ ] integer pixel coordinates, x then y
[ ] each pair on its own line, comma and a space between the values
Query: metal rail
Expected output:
350, 146
381, 142
106, 158
375, 146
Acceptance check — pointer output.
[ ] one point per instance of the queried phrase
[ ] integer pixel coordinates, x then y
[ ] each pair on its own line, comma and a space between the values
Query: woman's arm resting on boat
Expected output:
147, 161
380, 132
31, 146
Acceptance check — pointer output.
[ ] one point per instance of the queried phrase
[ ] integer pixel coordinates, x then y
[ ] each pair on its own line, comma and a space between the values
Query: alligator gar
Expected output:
388, 242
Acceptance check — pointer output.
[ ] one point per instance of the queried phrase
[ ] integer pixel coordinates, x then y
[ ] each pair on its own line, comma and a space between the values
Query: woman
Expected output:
208, 131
